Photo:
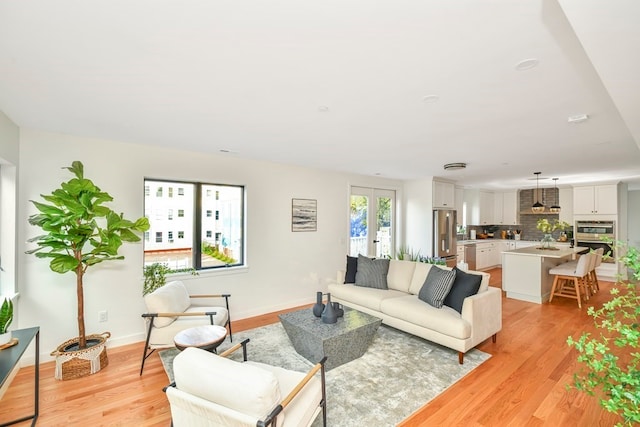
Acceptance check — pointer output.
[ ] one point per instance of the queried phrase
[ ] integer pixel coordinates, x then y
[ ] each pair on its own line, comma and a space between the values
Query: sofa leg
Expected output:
460, 357
494, 337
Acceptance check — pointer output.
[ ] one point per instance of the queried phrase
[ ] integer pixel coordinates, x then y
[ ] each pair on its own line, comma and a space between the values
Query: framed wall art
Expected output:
304, 215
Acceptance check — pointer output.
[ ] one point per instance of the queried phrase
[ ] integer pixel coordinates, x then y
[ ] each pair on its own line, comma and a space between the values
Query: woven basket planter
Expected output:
72, 364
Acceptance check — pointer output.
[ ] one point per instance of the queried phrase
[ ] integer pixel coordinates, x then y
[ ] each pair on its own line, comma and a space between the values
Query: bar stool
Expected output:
572, 279
593, 276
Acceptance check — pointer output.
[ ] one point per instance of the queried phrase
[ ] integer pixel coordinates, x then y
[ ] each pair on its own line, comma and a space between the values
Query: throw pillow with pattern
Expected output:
436, 286
372, 273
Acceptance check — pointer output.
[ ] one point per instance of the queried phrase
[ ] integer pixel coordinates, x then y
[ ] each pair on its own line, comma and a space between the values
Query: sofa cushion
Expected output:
436, 286
419, 276
400, 274
365, 297
239, 386
444, 320
352, 267
464, 285
372, 273
170, 298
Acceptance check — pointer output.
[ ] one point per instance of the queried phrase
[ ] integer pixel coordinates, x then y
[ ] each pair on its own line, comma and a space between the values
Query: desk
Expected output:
9, 358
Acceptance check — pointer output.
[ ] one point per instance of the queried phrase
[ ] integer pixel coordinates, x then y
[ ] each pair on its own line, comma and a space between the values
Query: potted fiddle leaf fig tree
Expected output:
81, 232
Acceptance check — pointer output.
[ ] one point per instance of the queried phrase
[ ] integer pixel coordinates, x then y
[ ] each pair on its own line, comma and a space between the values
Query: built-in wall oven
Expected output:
596, 234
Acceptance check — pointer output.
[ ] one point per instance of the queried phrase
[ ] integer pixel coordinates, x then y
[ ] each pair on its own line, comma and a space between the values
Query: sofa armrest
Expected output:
484, 312
340, 277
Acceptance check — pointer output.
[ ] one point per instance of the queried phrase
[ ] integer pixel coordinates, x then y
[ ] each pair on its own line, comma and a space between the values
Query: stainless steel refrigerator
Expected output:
444, 236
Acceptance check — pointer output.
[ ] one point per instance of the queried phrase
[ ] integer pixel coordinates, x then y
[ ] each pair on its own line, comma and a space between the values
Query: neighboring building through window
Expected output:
204, 241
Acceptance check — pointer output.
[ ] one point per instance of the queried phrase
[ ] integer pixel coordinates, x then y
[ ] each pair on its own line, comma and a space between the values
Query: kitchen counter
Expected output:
525, 271
560, 252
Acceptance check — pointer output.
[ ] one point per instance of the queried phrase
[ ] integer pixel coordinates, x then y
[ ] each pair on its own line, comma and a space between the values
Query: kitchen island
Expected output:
525, 272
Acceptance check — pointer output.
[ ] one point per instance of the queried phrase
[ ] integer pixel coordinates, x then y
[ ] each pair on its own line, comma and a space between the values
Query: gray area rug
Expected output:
396, 376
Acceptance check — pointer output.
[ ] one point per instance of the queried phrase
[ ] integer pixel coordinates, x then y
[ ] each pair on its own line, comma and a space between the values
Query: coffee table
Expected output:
206, 337
342, 342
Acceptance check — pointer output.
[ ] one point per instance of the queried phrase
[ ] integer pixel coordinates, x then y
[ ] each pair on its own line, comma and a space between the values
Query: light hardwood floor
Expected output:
522, 384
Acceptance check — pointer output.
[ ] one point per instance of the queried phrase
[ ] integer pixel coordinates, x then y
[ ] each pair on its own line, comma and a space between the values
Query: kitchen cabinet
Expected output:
595, 199
486, 208
444, 195
487, 255
566, 203
460, 252
459, 203
505, 208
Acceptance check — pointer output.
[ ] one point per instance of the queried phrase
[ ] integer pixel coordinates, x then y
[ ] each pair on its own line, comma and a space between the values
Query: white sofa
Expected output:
399, 307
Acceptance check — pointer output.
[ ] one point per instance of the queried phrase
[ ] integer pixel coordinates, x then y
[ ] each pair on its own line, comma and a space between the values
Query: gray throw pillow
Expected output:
436, 286
372, 273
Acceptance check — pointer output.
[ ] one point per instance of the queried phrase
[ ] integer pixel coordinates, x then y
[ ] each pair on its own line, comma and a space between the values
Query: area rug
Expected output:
397, 375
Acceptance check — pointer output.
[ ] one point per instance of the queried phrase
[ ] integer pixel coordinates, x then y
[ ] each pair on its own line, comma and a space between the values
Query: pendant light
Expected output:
556, 207
537, 206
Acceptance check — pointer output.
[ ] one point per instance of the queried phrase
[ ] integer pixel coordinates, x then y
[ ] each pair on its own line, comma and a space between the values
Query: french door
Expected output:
372, 222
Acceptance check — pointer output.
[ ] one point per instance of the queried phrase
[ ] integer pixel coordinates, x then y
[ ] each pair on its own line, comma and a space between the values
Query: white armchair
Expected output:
211, 390
170, 310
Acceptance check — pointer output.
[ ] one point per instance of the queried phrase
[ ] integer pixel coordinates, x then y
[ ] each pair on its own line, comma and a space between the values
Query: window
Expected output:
146, 236
147, 191
170, 191
159, 192
211, 229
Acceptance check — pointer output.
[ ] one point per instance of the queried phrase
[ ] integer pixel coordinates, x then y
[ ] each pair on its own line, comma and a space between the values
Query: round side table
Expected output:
206, 337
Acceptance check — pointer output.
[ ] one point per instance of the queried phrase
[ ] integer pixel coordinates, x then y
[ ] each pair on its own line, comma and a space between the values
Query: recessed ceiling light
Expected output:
430, 99
527, 64
323, 109
578, 118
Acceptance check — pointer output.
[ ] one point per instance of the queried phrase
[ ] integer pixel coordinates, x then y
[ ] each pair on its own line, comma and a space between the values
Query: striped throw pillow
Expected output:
372, 273
436, 286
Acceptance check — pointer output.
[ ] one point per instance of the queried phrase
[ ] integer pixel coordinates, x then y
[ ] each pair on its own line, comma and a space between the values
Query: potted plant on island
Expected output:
610, 361
81, 232
548, 227
6, 317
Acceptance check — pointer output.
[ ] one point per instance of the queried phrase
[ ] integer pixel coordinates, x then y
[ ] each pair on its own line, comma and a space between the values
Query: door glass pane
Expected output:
383, 224
359, 225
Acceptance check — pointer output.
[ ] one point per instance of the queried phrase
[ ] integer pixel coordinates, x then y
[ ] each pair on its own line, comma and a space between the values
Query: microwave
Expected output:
595, 231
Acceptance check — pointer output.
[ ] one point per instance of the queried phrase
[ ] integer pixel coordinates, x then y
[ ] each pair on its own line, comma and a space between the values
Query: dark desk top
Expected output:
9, 357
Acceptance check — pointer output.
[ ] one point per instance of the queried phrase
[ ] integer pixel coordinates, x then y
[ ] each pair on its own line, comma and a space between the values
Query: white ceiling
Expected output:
340, 84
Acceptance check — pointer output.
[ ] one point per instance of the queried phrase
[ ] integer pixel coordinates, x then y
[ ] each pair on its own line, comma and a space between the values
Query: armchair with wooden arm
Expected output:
170, 309
212, 390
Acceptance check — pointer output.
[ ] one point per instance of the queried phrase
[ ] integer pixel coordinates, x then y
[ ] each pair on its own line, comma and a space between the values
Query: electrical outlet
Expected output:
103, 316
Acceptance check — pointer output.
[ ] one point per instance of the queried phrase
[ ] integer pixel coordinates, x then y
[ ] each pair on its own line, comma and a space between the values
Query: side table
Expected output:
206, 337
9, 358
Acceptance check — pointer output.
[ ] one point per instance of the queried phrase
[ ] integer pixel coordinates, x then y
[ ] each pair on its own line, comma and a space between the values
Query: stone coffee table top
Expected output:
342, 342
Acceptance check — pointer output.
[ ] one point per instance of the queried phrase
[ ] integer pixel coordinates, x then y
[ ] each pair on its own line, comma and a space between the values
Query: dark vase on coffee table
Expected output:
329, 315
318, 307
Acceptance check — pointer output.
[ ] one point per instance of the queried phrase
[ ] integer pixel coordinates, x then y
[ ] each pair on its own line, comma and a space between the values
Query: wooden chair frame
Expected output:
152, 316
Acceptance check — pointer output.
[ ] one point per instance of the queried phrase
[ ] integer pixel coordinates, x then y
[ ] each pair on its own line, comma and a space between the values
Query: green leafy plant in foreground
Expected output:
610, 361
80, 232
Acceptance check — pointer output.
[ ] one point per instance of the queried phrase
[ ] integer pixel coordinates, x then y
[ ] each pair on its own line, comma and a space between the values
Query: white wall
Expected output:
285, 269
418, 219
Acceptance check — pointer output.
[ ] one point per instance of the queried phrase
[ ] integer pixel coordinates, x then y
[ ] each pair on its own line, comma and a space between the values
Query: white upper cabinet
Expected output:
595, 199
566, 204
505, 208
444, 195
459, 202
486, 208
